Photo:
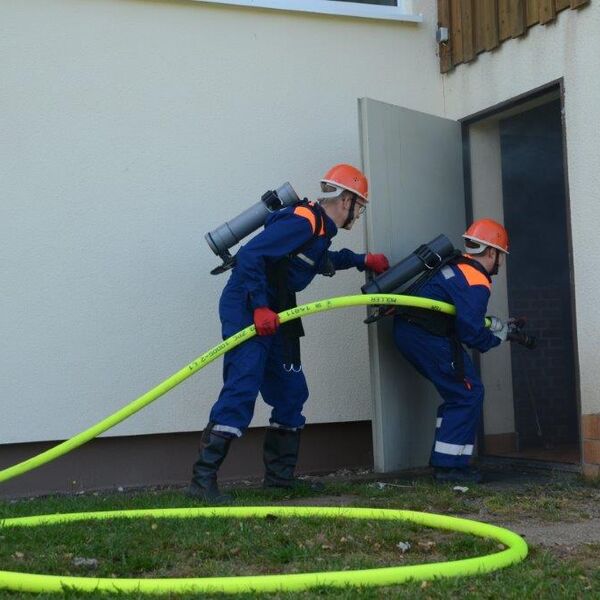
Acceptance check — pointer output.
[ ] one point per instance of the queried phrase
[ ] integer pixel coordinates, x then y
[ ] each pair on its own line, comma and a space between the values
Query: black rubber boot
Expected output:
280, 455
213, 450
456, 475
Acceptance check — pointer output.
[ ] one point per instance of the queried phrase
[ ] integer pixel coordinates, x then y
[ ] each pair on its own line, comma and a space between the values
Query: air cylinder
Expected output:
232, 232
427, 256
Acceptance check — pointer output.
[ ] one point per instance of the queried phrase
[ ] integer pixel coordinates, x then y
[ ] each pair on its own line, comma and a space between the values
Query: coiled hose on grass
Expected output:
515, 551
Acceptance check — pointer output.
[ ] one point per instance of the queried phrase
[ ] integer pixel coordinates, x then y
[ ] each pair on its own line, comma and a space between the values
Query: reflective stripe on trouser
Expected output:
458, 416
253, 367
227, 430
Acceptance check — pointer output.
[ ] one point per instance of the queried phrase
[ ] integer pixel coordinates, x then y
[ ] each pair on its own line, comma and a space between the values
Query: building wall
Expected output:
130, 128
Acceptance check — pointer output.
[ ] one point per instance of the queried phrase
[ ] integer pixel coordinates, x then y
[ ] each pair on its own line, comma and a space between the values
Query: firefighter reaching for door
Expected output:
278, 262
433, 343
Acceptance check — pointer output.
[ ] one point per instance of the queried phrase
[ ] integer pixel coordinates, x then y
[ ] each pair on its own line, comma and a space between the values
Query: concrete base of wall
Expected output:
591, 472
109, 463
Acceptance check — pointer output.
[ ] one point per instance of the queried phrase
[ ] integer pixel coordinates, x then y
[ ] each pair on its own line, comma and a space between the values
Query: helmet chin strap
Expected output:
350, 216
496, 266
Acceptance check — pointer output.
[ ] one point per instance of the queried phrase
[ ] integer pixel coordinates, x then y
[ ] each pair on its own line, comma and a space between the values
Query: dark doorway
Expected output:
539, 283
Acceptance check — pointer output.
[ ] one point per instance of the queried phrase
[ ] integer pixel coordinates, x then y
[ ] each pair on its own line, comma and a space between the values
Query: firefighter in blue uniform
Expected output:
433, 343
278, 262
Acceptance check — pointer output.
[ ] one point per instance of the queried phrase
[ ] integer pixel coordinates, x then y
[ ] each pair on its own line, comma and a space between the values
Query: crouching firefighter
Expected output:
433, 343
278, 262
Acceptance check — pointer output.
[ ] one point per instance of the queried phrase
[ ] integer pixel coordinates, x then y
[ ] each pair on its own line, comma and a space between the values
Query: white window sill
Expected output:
402, 12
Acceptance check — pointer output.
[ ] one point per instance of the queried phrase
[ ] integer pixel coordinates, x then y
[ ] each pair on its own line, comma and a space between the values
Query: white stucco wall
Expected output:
566, 48
128, 129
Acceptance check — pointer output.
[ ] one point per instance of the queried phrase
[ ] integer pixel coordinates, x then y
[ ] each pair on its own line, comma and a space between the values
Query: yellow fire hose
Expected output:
515, 552
205, 359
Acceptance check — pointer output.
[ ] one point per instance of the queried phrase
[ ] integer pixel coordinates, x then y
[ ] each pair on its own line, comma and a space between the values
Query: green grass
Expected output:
562, 500
229, 547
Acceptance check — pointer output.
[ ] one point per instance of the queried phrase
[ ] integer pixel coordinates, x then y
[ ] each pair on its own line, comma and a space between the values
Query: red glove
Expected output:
378, 263
265, 320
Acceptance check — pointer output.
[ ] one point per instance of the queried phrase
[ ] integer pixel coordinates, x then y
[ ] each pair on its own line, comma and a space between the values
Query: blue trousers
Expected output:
256, 366
459, 414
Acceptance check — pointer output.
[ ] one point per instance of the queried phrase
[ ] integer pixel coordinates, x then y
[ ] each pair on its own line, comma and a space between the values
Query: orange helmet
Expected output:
348, 178
484, 233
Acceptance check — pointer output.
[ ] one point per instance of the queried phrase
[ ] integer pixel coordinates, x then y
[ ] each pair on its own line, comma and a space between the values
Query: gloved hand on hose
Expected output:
499, 328
378, 263
266, 321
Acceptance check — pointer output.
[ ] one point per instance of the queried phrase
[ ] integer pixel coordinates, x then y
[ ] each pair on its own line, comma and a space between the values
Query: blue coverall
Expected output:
467, 286
258, 364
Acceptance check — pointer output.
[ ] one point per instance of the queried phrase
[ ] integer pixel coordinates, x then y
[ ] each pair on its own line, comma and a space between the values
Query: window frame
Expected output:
404, 11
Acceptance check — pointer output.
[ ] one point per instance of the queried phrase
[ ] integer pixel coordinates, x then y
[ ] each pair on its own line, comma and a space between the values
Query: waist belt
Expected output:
441, 325
436, 323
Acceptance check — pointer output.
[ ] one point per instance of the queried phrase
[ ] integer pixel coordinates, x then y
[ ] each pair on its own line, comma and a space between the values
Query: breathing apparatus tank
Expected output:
426, 257
231, 232
424, 261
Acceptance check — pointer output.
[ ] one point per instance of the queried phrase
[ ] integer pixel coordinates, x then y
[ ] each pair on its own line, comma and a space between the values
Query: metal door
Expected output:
414, 164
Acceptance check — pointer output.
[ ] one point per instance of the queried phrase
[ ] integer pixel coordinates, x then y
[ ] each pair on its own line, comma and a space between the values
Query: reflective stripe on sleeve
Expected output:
305, 259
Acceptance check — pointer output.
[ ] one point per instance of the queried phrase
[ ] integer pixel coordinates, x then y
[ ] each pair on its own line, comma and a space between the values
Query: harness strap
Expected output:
314, 214
277, 275
285, 299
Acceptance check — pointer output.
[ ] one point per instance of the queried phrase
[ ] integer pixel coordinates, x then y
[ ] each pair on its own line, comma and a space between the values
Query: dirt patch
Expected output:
558, 534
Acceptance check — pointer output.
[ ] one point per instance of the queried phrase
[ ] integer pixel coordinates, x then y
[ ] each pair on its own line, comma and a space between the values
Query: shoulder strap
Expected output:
314, 213
428, 274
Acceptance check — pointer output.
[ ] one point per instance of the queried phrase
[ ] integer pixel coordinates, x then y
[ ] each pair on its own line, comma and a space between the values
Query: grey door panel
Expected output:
414, 164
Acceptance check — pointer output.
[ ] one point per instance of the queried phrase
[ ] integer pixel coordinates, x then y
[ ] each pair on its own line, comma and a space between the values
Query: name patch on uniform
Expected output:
447, 272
